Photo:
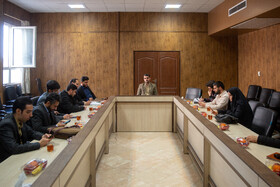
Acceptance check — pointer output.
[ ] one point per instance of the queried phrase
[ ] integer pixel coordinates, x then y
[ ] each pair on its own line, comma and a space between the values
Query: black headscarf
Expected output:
237, 98
240, 108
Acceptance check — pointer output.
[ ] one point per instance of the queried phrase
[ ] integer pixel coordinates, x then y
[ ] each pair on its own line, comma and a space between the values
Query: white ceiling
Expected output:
117, 5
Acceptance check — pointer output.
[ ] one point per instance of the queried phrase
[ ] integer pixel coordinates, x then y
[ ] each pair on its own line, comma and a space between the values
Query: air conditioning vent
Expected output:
240, 6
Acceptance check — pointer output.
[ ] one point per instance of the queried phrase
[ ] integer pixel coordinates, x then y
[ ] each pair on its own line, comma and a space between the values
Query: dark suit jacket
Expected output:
82, 95
42, 119
10, 139
68, 104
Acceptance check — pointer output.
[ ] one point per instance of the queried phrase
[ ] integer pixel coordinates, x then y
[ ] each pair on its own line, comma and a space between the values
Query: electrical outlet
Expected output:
259, 73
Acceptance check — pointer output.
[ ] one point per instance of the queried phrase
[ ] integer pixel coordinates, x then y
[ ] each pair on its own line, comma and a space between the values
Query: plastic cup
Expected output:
50, 147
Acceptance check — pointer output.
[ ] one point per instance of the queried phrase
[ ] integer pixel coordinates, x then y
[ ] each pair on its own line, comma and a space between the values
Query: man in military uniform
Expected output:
147, 88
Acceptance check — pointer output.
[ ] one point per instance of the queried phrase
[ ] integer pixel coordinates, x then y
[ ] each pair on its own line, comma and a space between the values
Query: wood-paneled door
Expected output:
164, 68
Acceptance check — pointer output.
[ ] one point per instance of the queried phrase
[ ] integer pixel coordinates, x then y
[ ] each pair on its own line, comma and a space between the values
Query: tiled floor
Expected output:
146, 159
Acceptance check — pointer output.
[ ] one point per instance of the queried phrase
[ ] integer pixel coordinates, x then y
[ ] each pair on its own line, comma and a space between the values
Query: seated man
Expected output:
15, 135
147, 88
84, 92
52, 86
77, 98
67, 102
210, 92
221, 100
43, 114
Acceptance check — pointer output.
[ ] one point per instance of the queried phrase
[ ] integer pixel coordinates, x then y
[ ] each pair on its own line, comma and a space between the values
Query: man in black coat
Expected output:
68, 103
43, 114
84, 92
77, 97
15, 135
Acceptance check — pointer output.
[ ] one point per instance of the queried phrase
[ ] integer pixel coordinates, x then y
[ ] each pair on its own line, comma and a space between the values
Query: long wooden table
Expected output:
220, 160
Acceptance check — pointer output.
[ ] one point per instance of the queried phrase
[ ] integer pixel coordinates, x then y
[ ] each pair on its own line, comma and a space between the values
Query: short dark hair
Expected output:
219, 84
52, 85
71, 87
84, 78
210, 83
147, 75
73, 81
21, 102
52, 98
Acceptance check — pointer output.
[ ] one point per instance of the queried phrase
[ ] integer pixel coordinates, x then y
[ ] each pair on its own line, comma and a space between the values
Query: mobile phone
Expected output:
65, 122
51, 136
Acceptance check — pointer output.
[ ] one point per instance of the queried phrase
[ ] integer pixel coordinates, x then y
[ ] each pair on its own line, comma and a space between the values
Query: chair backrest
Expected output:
254, 105
10, 93
275, 101
18, 90
39, 86
254, 92
264, 121
192, 93
266, 96
34, 100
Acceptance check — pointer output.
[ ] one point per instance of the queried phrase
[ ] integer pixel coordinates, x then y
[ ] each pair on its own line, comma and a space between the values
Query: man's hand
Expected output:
87, 102
90, 99
201, 104
252, 138
45, 140
67, 116
60, 124
46, 136
201, 99
56, 112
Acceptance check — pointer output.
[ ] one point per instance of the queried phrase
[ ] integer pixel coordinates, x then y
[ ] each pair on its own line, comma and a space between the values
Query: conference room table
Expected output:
215, 153
12, 168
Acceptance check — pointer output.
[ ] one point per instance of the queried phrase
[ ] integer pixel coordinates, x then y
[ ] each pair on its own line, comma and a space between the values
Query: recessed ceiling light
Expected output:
173, 6
76, 5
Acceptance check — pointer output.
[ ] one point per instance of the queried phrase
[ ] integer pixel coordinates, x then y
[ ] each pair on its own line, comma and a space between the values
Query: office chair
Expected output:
18, 90
266, 96
254, 92
10, 95
39, 86
254, 105
264, 121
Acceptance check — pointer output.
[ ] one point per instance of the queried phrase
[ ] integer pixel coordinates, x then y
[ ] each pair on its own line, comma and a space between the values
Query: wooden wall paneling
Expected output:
15, 11
155, 21
259, 51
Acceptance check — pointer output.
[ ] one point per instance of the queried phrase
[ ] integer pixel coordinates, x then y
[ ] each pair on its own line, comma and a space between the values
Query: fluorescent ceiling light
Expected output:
76, 5
173, 6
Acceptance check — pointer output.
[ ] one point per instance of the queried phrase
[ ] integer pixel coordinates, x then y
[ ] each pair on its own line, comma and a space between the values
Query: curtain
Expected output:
25, 81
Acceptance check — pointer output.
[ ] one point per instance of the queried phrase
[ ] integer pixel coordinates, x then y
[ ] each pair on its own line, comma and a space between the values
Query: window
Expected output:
18, 52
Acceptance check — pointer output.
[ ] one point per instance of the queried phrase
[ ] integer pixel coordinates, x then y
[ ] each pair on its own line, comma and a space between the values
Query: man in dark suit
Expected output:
52, 87
15, 135
77, 97
68, 104
43, 114
84, 92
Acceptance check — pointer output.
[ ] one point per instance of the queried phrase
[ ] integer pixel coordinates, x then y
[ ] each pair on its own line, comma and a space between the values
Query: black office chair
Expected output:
266, 96
19, 90
39, 86
254, 105
274, 104
264, 121
10, 95
34, 100
254, 92
192, 93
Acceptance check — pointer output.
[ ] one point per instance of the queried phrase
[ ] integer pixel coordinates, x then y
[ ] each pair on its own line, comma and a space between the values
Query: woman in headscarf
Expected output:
239, 107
